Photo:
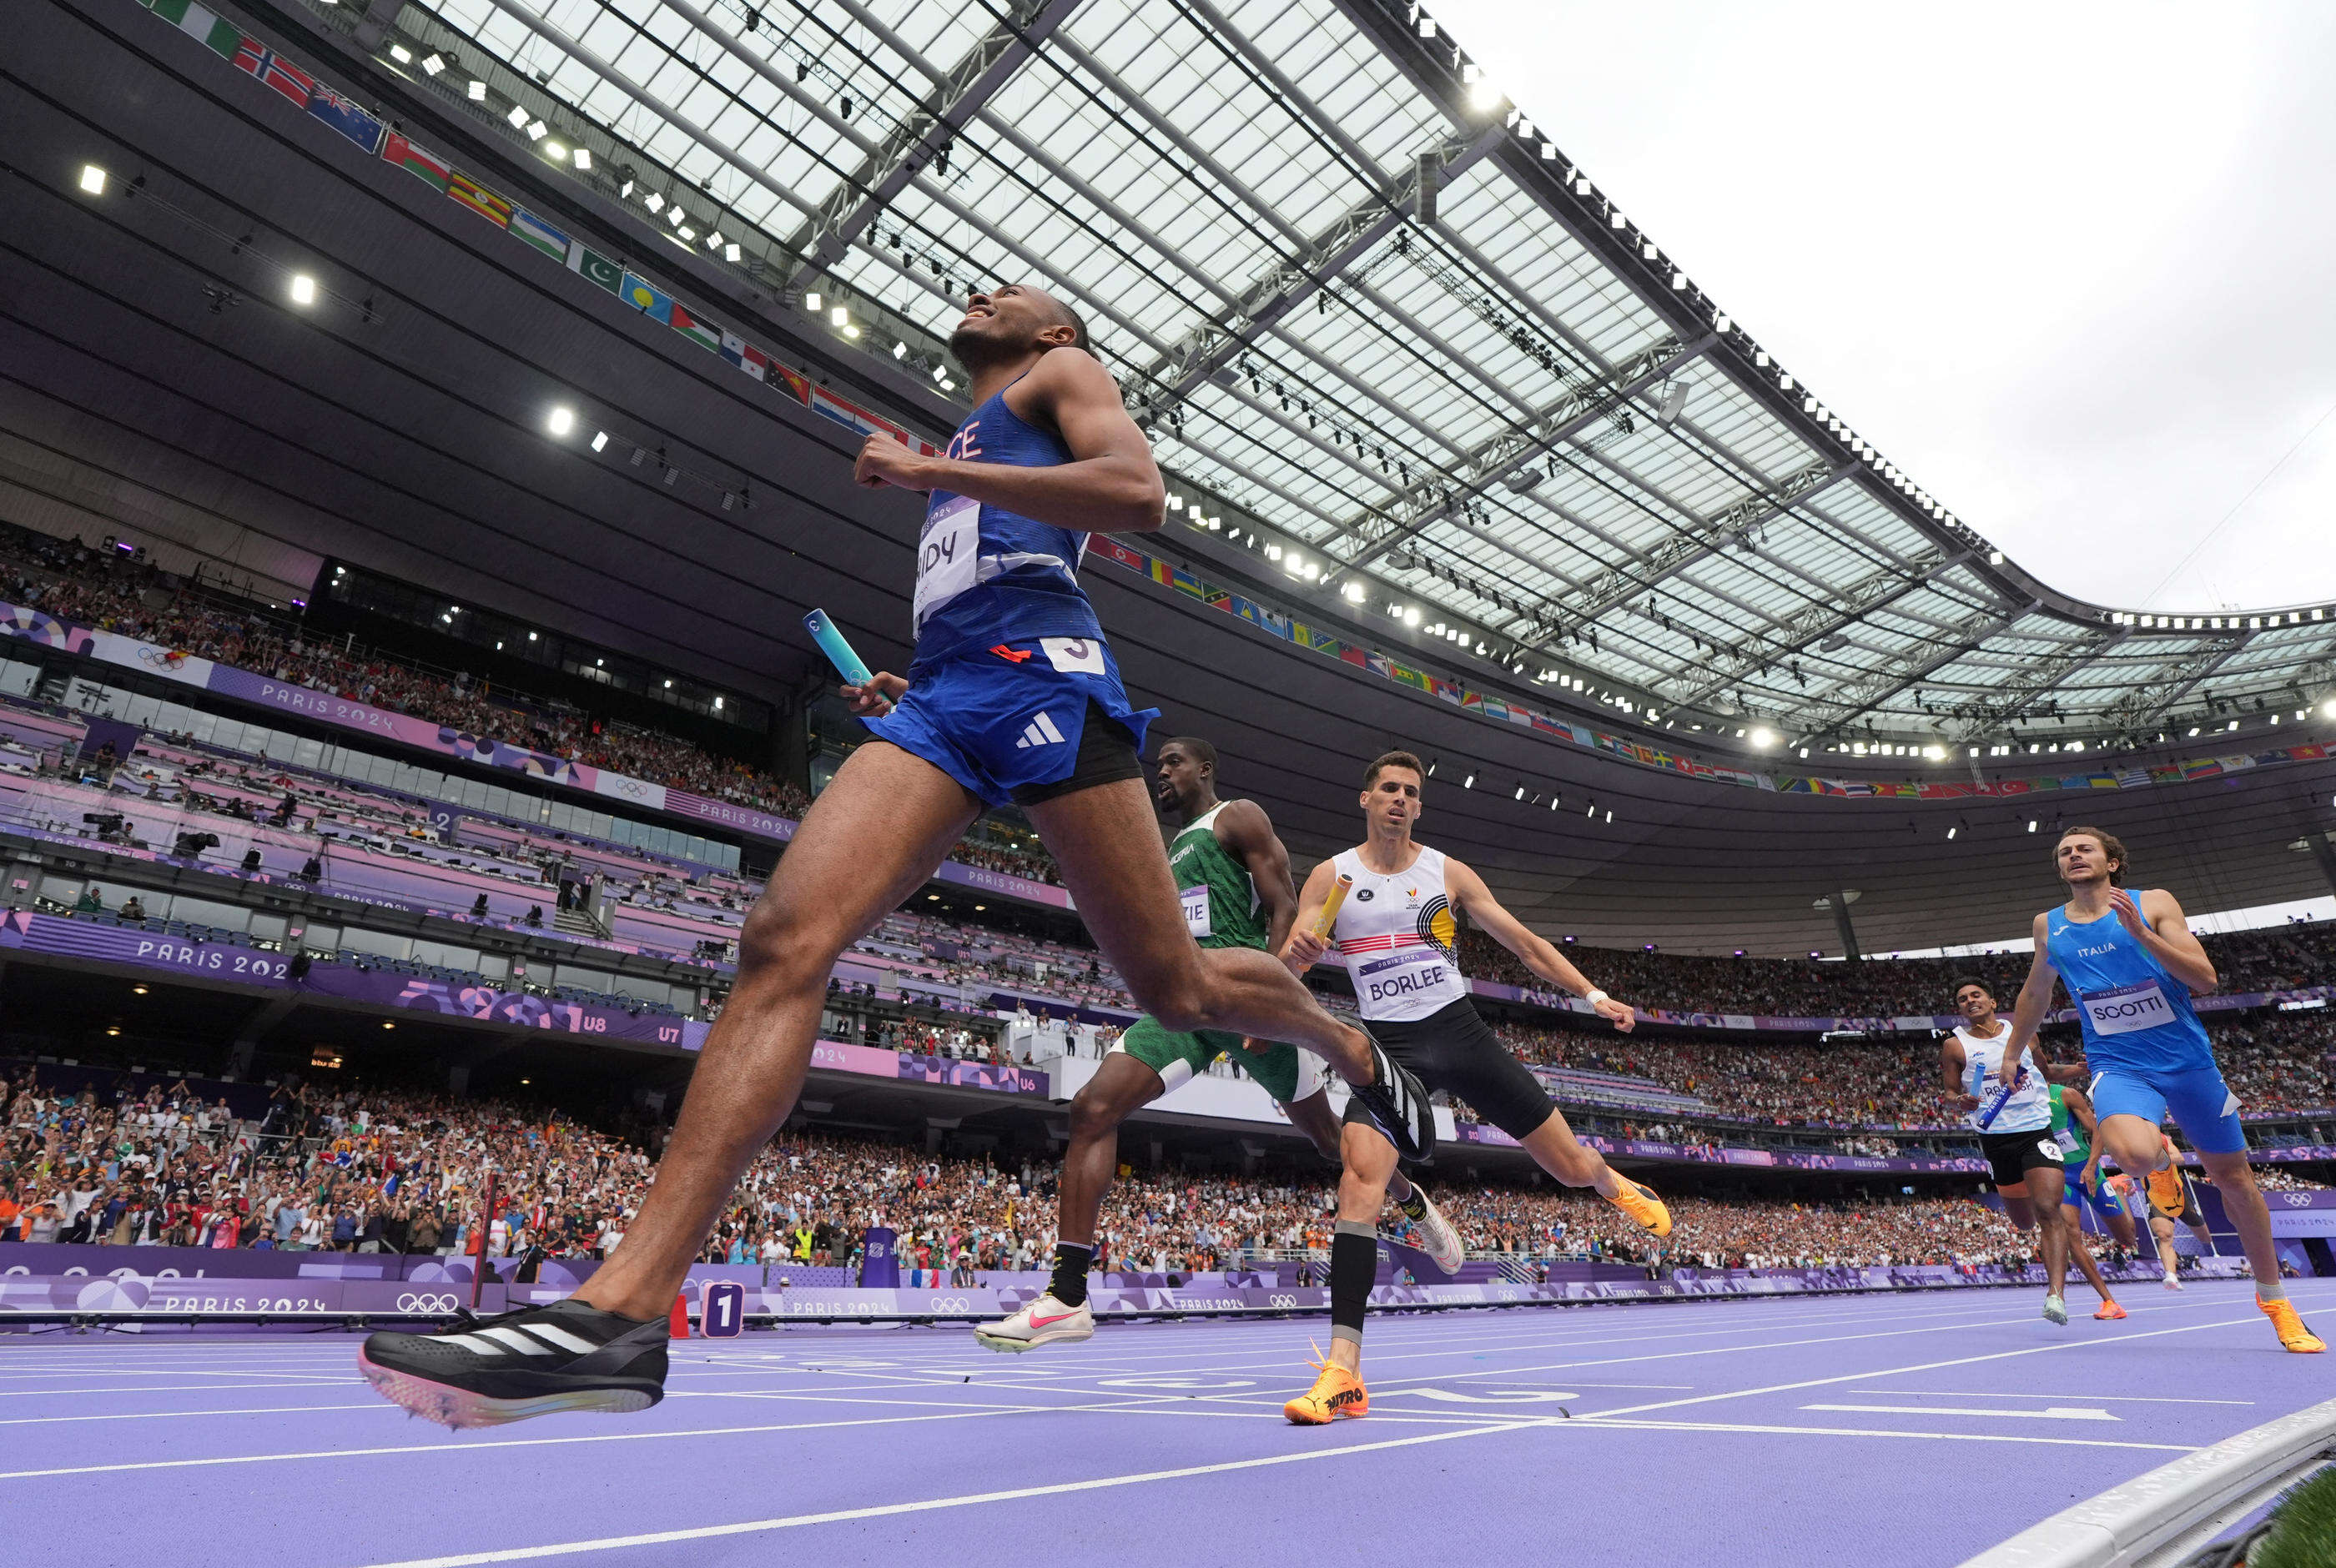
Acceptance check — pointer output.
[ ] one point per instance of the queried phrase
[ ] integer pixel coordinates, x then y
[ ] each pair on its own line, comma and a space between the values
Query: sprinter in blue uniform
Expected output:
2131, 966
1012, 696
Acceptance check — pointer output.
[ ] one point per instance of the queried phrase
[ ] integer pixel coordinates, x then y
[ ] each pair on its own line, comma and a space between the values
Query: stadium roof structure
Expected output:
1383, 331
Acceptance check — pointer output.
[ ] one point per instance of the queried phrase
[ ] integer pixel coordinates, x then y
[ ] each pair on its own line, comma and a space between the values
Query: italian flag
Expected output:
221, 38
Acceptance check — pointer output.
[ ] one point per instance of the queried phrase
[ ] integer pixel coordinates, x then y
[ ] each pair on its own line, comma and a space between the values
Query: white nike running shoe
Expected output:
1045, 1321
2056, 1310
1442, 1242
2170, 1279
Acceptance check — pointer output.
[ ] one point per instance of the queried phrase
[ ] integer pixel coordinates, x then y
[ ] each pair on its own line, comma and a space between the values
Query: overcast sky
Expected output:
2072, 267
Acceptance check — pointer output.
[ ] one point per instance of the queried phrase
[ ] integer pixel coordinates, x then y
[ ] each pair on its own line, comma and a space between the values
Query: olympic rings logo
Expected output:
410, 1302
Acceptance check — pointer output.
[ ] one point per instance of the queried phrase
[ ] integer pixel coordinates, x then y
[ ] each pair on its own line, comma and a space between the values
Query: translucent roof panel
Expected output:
1515, 416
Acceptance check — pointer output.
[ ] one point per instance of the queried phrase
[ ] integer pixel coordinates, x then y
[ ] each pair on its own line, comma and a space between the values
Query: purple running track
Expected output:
1905, 1430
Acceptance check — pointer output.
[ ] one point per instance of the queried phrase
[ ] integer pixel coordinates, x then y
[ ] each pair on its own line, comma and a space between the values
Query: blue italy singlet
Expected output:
2134, 1013
987, 576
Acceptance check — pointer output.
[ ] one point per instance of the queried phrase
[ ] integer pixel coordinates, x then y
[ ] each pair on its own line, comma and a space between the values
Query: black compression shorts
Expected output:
2010, 1155
1106, 755
1453, 1050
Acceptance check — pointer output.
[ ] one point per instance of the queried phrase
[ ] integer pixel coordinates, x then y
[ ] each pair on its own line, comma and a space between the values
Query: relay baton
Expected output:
840, 654
2001, 1098
1328, 921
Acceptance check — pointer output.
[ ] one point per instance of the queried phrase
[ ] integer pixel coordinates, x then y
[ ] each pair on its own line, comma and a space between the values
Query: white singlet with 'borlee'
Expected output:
1398, 934
2029, 1108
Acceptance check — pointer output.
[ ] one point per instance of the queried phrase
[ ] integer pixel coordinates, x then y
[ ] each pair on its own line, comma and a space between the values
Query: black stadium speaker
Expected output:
1428, 179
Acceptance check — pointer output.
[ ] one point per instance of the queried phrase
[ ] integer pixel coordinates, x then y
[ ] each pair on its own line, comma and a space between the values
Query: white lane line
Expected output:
1875, 1432
501, 1443
2099, 1398
161, 1415
2050, 1413
1919, 1367
348, 1382
883, 1510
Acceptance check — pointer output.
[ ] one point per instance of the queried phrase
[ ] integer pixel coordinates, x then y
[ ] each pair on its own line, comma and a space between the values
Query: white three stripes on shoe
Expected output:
534, 1340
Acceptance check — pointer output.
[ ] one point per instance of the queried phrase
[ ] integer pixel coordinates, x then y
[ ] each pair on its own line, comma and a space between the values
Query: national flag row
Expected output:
370, 135
1317, 639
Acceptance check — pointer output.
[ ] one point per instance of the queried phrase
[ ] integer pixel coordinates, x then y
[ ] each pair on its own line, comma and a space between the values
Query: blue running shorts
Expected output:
2075, 1193
1007, 722
2203, 1105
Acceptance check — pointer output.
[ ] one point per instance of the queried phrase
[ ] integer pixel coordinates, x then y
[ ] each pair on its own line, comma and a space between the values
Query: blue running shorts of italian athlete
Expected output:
1015, 723
2203, 1105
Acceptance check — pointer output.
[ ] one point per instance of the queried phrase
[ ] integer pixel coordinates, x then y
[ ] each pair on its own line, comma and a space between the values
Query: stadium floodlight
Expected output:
2328, 709
939, 374
432, 64
686, 232
560, 420
582, 157
518, 117
303, 289
714, 239
555, 150
400, 54
1764, 737
838, 315
478, 92
537, 130
811, 302
600, 441
92, 180
2032, 825
1470, 781
655, 203
1411, 618
1521, 791
900, 351
730, 252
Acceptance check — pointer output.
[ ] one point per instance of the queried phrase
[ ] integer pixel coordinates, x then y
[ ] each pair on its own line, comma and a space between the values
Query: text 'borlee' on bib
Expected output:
1196, 910
948, 554
2128, 1008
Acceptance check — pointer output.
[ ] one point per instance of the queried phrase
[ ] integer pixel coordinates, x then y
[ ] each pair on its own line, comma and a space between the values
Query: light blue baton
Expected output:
839, 653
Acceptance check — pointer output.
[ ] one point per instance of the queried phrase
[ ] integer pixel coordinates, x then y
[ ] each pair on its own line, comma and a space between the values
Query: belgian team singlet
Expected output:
1399, 938
987, 576
2135, 1015
1222, 907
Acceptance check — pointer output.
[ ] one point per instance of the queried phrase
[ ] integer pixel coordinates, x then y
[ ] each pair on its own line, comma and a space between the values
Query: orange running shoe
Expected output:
2165, 1195
1336, 1392
2109, 1311
1637, 1200
2292, 1331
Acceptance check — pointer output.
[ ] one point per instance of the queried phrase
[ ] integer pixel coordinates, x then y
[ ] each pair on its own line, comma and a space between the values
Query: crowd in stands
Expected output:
324, 1167
2269, 958
73, 582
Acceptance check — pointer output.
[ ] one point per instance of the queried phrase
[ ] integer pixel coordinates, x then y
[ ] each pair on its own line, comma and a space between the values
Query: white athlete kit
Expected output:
2015, 1130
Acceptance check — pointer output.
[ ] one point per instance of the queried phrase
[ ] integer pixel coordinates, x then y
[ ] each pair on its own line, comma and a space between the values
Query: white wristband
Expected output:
1595, 997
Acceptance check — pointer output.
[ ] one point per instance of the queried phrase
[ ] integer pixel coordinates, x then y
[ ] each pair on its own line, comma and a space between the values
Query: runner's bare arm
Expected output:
1470, 896
1110, 486
1244, 828
1950, 1070
1301, 949
2156, 920
2035, 996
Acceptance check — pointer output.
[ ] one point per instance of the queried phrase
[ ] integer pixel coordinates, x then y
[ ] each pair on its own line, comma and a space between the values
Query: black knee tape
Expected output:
1353, 1265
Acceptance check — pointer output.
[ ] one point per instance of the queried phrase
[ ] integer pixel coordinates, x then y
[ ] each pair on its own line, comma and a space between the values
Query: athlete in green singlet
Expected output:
2072, 1125
1232, 874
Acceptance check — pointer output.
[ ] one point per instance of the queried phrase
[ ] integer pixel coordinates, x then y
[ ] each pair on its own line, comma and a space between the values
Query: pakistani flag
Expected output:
594, 268
221, 38
526, 225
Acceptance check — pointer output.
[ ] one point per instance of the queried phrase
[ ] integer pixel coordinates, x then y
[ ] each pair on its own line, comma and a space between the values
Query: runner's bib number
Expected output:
1196, 910
949, 554
2128, 1008
2067, 1138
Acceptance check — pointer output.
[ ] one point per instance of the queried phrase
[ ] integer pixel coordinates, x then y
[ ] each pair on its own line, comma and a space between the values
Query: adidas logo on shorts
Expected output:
1039, 732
